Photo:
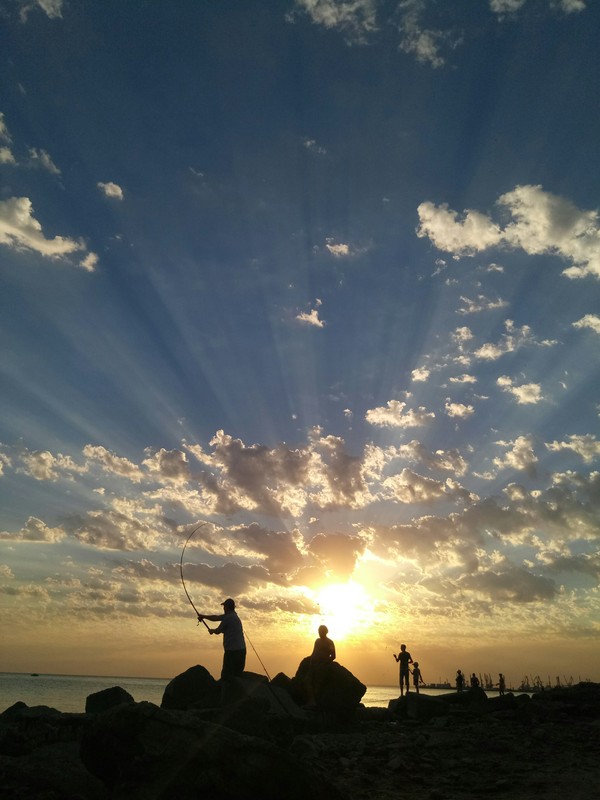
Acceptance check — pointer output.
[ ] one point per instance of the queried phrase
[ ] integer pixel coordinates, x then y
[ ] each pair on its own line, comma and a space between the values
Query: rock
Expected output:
424, 707
107, 698
340, 690
143, 752
194, 687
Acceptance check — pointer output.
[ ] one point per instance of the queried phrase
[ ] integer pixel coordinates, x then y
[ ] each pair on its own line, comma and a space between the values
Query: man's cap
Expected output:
229, 603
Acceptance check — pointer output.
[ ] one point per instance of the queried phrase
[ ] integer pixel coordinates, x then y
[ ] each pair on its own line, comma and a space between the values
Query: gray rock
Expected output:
194, 687
101, 701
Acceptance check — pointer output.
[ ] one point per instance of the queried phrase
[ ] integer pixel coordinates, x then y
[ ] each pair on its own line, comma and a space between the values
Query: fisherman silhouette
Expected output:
234, 644
460, 681
322, 656
404, 659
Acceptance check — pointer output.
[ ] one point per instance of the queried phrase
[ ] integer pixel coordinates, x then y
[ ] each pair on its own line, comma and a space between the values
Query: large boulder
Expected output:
339, 691
194, 687
101, 701
143, 752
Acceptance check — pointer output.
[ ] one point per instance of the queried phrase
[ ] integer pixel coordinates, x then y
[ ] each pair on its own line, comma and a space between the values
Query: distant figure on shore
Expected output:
501, 684
322, 656
460, 681
404, 659
234, 644
417, 677
474, 681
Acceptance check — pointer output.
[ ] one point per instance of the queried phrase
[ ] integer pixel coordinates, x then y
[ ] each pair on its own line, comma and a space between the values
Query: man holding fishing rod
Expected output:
234, 644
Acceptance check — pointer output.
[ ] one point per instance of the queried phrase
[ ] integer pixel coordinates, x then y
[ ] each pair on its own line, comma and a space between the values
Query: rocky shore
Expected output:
256, 738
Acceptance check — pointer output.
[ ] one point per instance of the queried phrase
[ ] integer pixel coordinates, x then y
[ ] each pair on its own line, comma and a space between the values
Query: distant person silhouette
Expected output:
404, 659
501, 684
460, 681
322, 656
234, 644
417, 677
474, 681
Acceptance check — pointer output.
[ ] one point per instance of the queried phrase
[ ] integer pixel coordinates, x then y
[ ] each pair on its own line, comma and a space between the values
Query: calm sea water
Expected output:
69, 692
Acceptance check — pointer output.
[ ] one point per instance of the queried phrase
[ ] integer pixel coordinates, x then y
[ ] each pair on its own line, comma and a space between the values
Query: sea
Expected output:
68, 693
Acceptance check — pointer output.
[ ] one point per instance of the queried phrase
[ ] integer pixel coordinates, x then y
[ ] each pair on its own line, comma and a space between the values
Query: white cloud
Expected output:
311, 318
20, 230
409, 487
35, 530
481, 303
44, 466
111, 463
591, 321
526, 393
52, 8
420, 374
394, 416
510, 341
423, 43
314, 147
110, 189
585, 445
42, 158
458, 410
6, 156
354, 18
540, 223
464, 379
506, 6
4, 134
520, 457
90, 262
339, 249
502, 7
447, 460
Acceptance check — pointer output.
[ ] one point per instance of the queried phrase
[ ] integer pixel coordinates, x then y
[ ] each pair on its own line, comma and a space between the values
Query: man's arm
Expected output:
211, 617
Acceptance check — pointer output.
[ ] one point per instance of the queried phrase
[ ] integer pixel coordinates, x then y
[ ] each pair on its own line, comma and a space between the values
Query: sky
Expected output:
316, 285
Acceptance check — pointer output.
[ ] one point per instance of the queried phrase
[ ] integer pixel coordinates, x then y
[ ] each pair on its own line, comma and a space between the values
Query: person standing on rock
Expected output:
474, 681
501, 684
234, 644
417, 677
322, 656
404, 659
460, 681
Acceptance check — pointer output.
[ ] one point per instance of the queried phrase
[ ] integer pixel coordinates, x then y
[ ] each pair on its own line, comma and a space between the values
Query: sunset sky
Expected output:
323, 275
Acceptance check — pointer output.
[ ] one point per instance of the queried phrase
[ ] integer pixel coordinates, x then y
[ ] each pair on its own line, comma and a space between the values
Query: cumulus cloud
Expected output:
525, 393
169, 465
393, 415
112, 190
521, 456
35, 530
337, 552
511, 340
20, 230
515, 585
591, 321
539, 223
340, 249
584, 445
52, 8
110, 529
311, 317
44, 466
449, 460
480, 303
424, 43
458, 410
6, 156
111, 463
42, 158
463, 379
314, 147
409, 487
354, 18
420, 374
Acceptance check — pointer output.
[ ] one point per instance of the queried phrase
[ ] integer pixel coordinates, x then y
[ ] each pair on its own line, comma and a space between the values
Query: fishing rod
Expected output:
181, 573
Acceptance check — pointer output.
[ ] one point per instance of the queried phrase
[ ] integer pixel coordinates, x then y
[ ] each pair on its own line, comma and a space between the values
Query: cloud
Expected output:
110, 529
463, 379
458, 410
520, 457
584, 445
420, 374
52, 8
409, 487
394, 416
337, 552
313, 147
35, 530
90, 262
111, 463
502, 7
312, 317
449, 460
526, 393
591, 321
540, 223
481, 303
6, 156
4, 134
423, 43
354, 18
44, 466
110, 189
20, 230
512, 340
338, 250
515, 585
43, 159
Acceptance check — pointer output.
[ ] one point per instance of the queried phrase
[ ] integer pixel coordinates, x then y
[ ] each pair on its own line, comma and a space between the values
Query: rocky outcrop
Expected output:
107, 698
145, 752
194, 687
340, 691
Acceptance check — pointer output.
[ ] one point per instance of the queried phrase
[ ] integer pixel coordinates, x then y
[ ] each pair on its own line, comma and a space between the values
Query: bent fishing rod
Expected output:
181, 573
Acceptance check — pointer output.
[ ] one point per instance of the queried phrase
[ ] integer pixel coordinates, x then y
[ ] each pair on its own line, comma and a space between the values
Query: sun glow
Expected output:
346, 608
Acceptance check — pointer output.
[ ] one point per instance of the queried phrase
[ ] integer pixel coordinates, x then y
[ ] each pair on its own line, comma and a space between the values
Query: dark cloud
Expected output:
338, 553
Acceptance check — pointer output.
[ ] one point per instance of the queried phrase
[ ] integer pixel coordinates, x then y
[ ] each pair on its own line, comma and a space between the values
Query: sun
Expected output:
345, 608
